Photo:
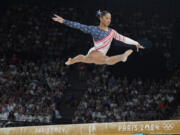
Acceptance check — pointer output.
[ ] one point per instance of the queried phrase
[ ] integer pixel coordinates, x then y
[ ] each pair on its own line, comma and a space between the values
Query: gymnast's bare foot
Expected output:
126, 54
69, 62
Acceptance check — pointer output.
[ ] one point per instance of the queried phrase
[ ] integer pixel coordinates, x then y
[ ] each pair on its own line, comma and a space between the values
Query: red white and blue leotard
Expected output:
102, 39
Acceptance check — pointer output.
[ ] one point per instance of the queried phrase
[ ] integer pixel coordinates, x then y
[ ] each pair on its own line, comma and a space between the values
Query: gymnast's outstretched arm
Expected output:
75, 25
127, 40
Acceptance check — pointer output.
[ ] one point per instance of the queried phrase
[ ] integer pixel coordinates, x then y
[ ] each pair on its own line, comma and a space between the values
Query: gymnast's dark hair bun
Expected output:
100, 14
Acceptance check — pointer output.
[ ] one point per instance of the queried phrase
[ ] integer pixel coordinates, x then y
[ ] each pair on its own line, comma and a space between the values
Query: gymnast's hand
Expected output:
139, 47
58, 19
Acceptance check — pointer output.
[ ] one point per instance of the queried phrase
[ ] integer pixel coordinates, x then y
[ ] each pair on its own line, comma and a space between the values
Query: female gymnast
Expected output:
102, 37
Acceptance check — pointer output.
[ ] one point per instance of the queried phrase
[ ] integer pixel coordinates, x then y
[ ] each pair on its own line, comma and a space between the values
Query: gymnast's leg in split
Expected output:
99, 58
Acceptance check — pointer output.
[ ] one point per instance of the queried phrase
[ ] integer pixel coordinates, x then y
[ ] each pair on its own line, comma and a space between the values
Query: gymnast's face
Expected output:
106, 19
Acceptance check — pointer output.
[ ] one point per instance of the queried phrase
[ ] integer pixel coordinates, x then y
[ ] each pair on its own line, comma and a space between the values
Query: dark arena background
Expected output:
40, 95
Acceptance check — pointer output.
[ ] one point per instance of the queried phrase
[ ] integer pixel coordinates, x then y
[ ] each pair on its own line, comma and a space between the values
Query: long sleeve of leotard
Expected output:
76, 25
124, 39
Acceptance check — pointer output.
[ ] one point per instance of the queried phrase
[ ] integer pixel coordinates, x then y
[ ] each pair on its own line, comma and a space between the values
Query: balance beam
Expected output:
116, 128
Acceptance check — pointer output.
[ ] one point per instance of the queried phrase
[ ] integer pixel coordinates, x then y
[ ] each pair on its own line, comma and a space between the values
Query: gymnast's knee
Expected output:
81, 56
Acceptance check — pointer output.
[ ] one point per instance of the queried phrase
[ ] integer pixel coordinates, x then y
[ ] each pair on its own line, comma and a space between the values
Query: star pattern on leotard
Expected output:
96, 32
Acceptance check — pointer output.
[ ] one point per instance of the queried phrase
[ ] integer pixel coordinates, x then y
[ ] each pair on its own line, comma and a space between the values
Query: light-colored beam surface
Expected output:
116, 128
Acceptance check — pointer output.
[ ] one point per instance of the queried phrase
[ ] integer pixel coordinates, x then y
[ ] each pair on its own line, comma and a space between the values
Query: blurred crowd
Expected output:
109, 99
153, 27
31, 91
